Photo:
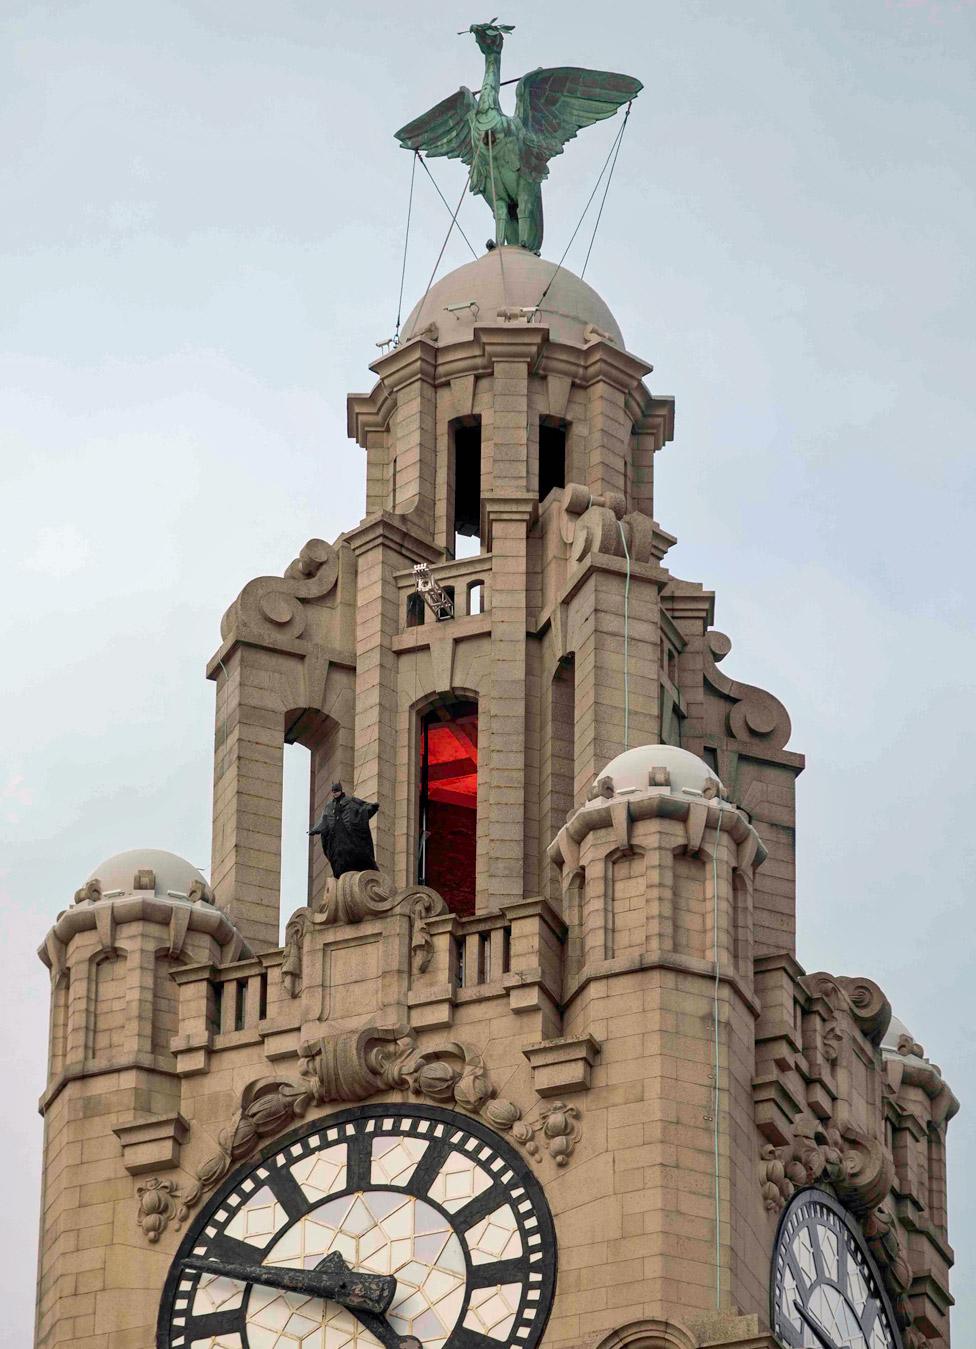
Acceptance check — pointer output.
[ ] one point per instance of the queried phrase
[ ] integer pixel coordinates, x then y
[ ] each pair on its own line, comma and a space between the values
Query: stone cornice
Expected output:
404, 364
105, 916
386, 527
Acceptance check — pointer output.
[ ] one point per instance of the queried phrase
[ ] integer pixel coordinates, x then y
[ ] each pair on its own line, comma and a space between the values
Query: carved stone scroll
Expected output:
275, 604
368, 894
755, 714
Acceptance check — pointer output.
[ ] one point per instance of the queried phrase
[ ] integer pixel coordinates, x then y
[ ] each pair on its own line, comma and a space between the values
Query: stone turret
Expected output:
657, 873
113, 1088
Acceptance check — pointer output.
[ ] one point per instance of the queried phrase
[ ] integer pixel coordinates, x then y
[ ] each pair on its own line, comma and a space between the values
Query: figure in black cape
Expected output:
344, 831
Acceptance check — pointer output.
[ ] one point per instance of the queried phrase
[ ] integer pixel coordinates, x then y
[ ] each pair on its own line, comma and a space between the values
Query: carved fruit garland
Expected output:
351, 1066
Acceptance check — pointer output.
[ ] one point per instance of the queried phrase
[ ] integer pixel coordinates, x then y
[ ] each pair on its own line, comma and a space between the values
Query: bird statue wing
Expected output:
553, 105
444, 130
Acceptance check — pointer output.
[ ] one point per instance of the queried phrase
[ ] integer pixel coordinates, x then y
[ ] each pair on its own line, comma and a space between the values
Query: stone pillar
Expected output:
248, 740
382, 547
502, 760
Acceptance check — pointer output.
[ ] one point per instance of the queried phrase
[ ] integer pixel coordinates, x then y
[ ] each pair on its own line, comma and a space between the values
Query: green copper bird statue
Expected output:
508, 157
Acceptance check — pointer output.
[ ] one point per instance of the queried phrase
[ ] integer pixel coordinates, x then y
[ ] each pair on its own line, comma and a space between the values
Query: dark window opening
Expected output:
415, 609
710, 756
263, 995
552, 456
240, 1004
467, 481
447, 853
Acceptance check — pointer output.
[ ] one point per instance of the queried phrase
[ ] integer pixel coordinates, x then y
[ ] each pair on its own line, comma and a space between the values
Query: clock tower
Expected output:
551, 1073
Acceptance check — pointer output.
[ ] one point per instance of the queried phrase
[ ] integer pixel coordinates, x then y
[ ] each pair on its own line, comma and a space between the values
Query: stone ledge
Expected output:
562, 1065
153, 1144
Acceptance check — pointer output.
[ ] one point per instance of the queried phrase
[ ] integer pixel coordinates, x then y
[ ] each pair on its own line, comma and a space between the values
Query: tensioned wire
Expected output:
610, 161
611, 154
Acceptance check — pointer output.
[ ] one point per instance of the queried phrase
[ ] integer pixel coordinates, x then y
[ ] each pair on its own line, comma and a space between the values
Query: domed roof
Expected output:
512, 278
631, 771
172, 874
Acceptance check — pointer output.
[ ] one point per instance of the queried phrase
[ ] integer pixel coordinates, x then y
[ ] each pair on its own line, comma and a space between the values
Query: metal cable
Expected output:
599, 214
596, 185
423, 165
441, 253
406, 241
623, 540
716, 1096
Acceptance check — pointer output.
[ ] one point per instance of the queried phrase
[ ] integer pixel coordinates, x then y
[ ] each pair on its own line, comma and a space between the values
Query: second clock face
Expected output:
426, 1196
826, 1293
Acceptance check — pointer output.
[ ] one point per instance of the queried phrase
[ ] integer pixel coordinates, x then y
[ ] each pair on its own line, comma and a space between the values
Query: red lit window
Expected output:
449, 803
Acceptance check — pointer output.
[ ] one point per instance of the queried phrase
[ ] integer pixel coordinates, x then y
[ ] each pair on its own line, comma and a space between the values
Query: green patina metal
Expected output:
508, 157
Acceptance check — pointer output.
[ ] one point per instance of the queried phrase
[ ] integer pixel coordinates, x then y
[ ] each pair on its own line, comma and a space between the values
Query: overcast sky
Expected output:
201, 235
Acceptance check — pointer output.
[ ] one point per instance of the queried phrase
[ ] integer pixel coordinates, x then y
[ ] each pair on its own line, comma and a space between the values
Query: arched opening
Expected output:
448, 771
318, 753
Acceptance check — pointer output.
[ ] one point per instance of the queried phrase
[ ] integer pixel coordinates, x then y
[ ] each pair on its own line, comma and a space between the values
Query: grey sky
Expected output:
201, 233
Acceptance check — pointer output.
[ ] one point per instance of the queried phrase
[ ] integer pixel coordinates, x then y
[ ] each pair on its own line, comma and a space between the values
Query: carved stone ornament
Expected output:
754, 714
859, 1169
291, 959
90, 892
275, 604
355, 896
160, 1202
353, 1065
598, 524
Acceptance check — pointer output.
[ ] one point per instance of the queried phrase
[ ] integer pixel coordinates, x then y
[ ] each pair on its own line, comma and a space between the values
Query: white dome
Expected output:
631, 770
172, 873
512, 278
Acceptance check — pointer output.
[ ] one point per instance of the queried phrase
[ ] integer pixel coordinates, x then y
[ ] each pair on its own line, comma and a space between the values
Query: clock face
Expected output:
362, 1230
826, 1292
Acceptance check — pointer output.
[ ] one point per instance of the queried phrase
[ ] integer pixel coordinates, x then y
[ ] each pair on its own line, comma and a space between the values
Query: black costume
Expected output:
345, 834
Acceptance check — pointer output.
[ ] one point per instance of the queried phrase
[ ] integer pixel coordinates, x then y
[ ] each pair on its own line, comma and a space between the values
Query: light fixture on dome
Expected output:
524, 313
458, 309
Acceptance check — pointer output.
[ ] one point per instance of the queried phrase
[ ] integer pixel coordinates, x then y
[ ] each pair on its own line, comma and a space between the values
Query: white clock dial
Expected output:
432, 1212
826, 1292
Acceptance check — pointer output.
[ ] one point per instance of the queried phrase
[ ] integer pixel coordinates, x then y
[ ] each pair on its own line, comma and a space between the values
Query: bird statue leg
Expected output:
530, 214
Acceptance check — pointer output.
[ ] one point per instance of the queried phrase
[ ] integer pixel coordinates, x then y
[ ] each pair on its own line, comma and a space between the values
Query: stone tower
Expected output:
575, 963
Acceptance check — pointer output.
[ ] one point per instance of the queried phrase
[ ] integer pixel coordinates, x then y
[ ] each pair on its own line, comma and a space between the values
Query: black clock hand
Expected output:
367, 1296
332, 1278
818, 1330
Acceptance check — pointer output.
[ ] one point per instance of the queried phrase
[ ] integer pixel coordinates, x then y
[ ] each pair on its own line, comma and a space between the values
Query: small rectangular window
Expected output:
552, 456
467, 482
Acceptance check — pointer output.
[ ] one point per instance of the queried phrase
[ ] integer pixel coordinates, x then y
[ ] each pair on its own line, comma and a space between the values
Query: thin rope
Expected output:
441, 253
447, 207
623, 540
715, 1056
579, 222
599, 214
406, 241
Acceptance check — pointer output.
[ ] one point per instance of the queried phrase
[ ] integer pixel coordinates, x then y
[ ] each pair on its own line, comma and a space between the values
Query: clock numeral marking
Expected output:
288, 1193
483, 1204
359, 1158
504, 1271
463, 1337
427, 1168
227, 1250
215, 1323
